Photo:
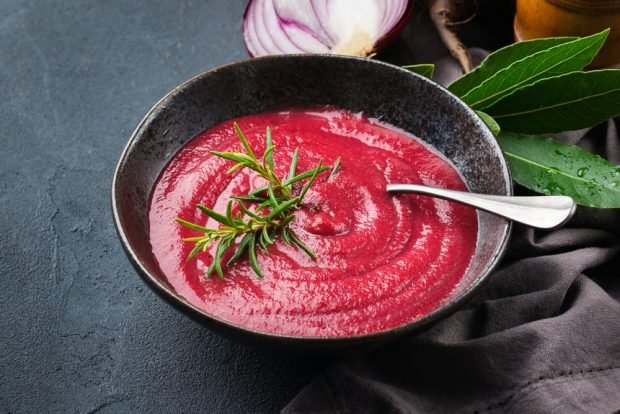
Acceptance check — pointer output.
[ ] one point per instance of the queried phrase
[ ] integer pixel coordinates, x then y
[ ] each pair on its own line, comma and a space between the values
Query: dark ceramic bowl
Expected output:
379, 90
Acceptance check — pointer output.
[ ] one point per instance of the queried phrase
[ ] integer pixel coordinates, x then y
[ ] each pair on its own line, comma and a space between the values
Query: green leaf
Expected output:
550, 167
301, 245
222, 247
501, 58
257, 191
194, 239
229, 216
246, 198
558, 60
283, 207
191, 225
335, 168
234, 156
261, 243
425, 70
493, 126
265, 235
197, 248
272, 196
210, 268
305, 174
235, 167
285, 237
263, 205
564, 103
260, 229
269, 147
243, 244
293, 166
246, 210
306, 187
287, 220
252, 256
213, 214
244, 141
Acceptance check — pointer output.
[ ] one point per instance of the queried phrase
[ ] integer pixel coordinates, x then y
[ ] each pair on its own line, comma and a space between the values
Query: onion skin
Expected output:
395, 31
378, 45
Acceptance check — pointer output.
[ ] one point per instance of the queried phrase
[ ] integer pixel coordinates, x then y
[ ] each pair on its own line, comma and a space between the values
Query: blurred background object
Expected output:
549, 18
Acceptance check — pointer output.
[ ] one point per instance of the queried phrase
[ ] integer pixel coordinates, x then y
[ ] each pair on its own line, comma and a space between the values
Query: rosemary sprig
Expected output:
260, 226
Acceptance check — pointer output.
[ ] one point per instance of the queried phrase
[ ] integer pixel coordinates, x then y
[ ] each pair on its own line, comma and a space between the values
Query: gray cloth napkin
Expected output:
543, 335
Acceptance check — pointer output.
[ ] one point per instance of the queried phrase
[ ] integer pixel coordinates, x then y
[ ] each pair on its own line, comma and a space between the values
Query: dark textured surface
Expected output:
264, 84
79, 331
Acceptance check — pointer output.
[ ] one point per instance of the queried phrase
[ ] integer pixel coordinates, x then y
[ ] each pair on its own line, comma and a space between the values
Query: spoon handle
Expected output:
542, 212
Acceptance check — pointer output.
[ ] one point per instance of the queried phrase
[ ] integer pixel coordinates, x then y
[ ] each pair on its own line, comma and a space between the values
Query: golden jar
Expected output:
550, 18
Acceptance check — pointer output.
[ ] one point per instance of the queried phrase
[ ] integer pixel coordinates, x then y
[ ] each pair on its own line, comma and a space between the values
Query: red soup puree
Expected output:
383, 260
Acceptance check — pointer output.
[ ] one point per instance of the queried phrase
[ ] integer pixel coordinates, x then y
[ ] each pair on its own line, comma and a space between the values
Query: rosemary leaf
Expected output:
192, 226
301, 245
274, 211
252, 256
246, 198
335, 168
265, 235
235, 168
280, 209
272, 195
235, 157
229, 216
197, 248
269, 147
247, 210
306, 174
213, 214
293, 167
257, 191
241, 248
244, 141
311, 180
285, 237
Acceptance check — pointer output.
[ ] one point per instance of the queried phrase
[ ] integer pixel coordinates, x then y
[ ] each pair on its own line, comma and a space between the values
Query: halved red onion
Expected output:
347, 27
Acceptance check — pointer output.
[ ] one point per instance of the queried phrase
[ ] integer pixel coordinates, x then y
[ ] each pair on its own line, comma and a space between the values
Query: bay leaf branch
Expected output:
502, 58
563, 103
426, 69
550, 167
490, 122
557, 60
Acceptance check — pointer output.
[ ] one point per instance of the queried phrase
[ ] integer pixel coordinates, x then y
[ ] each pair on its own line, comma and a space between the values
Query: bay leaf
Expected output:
491, 123
557, 60
425, 70
501, 59
550, 167
563, 103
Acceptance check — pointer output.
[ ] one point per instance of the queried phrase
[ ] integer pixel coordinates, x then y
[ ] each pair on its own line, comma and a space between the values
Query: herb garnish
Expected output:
275, 206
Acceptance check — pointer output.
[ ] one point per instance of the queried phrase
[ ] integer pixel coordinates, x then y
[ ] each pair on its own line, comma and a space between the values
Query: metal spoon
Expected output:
541, 212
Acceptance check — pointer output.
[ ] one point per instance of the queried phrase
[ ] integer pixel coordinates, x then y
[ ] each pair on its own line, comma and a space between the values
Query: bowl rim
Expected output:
191, 310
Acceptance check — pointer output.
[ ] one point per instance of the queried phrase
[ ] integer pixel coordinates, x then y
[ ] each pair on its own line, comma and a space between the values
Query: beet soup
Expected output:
383, 260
